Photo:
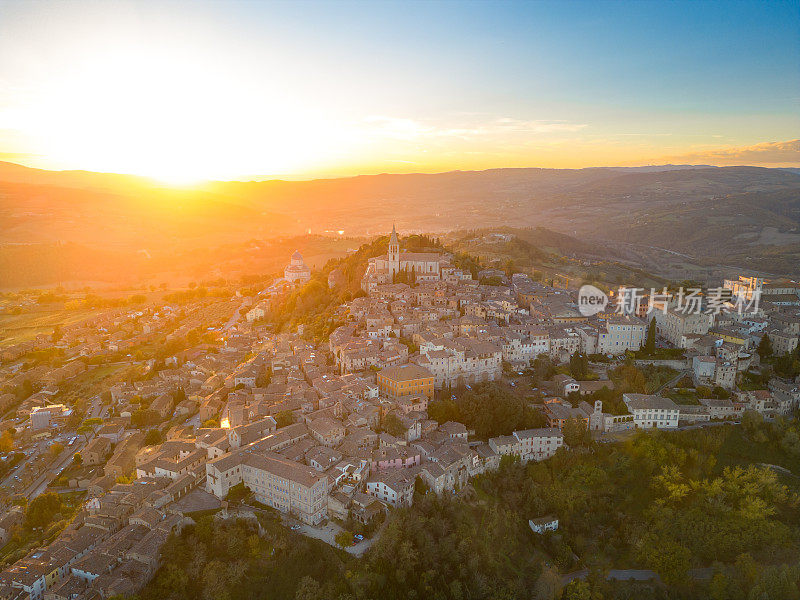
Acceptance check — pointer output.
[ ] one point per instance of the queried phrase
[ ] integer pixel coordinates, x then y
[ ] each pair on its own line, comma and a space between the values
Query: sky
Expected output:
238, 90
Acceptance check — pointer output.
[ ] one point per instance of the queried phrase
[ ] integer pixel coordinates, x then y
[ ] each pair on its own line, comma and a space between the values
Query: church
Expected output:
426, 266
297, 271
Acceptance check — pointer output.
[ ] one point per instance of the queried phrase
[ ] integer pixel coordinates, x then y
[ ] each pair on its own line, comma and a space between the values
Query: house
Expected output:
113, 432
543, 524
564, 385
96, 451
283, 484
327, 431
9, 521
246, 434
163, 405
558, 413
394, 487
454, 430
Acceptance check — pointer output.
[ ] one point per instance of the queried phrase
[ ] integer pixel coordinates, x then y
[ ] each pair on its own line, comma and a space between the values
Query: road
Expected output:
234, 317
636, 575
40, 484
42, 480
327, 533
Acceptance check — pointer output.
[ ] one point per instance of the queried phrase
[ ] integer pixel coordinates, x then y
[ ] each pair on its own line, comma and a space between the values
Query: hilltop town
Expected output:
121, 428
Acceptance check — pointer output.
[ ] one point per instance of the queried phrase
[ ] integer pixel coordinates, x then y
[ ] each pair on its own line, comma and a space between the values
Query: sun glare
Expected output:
178, 118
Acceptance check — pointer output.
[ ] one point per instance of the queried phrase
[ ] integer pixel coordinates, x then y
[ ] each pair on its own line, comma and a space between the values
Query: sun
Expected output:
179, 118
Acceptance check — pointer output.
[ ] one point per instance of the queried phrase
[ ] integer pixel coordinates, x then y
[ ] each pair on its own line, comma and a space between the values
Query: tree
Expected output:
308, 589
579, 366
284, 418
93, 422
667, 558
42, 509
77, 458
6, 441
577, 589
752, 422
546, 585
56, 448
344, 538
178, 396
85, 430
153, 438
575, 432
650, 342
777, 582
764, 347
264, 377
24, 390
393, 426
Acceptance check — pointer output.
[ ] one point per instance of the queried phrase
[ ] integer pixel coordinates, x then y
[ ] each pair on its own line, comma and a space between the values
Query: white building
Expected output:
652, 411
461, 361
530, 444
297, 271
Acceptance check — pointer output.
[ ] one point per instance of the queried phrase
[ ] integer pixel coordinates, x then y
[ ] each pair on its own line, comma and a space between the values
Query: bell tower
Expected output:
394, 253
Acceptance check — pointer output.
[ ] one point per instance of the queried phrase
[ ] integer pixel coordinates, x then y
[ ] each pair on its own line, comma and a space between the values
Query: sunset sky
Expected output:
226, 90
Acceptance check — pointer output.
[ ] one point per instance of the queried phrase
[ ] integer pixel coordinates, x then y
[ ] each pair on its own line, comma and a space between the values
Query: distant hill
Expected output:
722, 215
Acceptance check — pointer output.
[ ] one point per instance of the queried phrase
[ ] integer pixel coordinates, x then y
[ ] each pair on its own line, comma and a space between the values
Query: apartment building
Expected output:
402, 381
530, 444
461, 361
287, 486
652, 411
674, 325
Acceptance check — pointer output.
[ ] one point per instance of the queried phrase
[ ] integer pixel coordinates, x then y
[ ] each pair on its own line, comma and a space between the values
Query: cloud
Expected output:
776, 154
410, 129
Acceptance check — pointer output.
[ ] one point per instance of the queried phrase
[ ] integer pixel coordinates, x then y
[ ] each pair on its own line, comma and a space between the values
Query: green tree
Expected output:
153, 438
42, 509
308, 589
777, 582
393, 426
575, 432
650, 342
238, 493
6, 441
284, 418
56, 448
77, 458
344, 538
752, 422
579, 366
764, 347
577, 589
667, 558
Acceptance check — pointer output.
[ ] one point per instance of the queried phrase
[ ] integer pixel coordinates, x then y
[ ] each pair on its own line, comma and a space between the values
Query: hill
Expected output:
730, 217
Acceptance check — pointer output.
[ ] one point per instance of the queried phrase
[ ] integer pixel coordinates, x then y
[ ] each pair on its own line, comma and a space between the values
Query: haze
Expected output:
184, 92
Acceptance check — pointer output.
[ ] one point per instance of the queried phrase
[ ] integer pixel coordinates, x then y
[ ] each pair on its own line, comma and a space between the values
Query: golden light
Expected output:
225, 424
177, 116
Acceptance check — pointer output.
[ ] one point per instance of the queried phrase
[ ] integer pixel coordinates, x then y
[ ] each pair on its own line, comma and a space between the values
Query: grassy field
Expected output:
15, 329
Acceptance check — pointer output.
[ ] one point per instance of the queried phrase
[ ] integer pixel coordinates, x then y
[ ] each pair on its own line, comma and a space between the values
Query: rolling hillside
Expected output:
740, 217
